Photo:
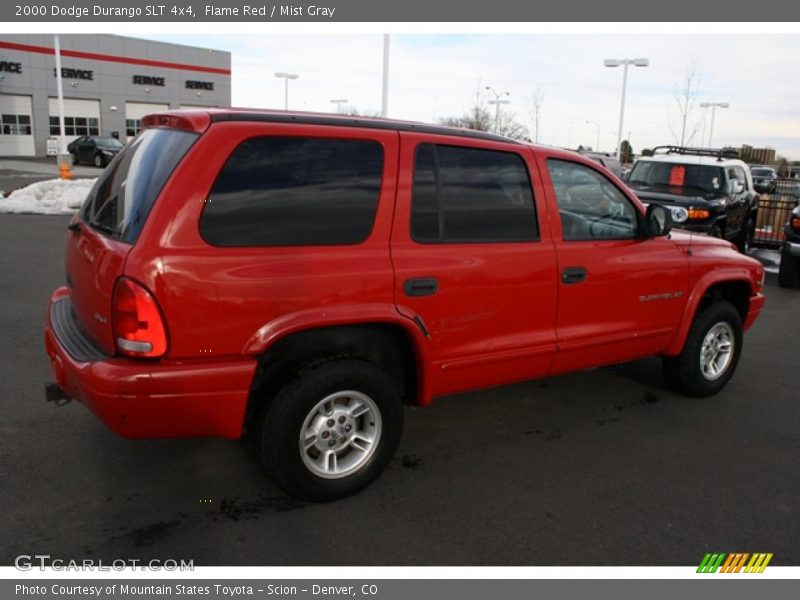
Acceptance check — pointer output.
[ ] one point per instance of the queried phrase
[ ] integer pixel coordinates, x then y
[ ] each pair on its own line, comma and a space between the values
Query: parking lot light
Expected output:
713, 106
286, 77
624, 62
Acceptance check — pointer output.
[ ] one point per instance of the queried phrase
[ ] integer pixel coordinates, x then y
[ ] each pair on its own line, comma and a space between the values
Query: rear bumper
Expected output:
755, 308
154, 399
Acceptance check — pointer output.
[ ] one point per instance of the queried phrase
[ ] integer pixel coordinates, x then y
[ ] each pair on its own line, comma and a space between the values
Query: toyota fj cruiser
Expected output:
296, 279
708, 191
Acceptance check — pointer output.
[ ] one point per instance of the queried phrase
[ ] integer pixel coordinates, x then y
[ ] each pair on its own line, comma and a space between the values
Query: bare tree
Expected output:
686, 93
537, 101
479, 118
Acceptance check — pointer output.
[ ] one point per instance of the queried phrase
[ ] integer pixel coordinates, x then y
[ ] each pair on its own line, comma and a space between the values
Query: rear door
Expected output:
110, 221
473, 264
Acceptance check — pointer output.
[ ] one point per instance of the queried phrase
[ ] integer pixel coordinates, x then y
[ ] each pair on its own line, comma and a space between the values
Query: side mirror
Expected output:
657, 221
737, 186
625, 176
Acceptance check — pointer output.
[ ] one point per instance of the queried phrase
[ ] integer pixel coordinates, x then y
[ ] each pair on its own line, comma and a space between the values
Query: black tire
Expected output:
99, 161
789, 271
74, 158
279, 436
684, 372
744, 242
715, 231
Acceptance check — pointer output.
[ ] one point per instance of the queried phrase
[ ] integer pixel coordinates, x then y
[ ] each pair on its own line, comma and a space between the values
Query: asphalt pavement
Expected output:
603, 467
19, 172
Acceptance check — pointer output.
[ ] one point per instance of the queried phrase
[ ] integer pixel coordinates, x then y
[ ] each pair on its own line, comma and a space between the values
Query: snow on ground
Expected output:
51, 197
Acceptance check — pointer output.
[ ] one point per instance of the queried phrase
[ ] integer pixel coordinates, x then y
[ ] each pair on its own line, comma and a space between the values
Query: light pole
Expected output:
286, 77
338, 102
713, 106
497, 102
597, 147
616, 62
385, 77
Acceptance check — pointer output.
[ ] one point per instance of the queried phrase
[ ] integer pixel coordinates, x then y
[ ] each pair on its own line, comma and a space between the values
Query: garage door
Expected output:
81, 117
134, 111
16, 126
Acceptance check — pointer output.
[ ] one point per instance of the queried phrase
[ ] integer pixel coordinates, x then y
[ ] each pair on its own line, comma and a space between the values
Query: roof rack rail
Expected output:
719, 153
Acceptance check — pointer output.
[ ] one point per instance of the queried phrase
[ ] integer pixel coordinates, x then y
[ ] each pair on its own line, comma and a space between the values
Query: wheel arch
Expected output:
733, 286
299, 342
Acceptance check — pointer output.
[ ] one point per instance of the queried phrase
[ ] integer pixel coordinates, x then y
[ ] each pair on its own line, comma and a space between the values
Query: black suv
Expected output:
708, 191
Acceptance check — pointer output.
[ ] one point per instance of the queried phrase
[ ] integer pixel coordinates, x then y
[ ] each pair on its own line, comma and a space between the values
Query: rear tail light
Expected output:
138, 325
795, 222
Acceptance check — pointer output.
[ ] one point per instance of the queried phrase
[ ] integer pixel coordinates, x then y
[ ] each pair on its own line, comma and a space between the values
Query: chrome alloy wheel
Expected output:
340, 434
716, 353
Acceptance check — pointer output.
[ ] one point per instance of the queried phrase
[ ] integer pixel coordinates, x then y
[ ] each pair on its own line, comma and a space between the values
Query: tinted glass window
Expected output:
590, 206
471, 195
289, 191
676, 178
120, 201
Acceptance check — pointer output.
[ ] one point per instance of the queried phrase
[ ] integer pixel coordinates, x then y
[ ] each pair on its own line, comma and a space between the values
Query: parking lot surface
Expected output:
604, 467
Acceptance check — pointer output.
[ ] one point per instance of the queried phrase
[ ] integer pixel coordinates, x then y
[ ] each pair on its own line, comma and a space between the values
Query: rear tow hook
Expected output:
53, 393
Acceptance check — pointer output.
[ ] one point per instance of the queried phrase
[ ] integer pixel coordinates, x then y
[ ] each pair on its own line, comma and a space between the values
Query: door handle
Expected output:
423, 286
572, 275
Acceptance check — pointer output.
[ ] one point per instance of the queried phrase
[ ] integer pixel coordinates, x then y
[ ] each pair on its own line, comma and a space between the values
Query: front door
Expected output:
621, 296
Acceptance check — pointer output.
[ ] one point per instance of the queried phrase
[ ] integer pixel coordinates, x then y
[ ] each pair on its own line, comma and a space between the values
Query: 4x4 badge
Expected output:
665, 296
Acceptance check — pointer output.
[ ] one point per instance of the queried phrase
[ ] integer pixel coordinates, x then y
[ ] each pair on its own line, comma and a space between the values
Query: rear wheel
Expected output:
710, 354
789, 271
331, 433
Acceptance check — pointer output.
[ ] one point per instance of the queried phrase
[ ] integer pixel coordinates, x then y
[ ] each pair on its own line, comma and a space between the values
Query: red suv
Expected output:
298, 278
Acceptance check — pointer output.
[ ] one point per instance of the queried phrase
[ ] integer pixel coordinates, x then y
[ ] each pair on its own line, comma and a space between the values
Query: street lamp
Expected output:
713, 106
497, 102
597, 146
286, 77
338, 102
616, 62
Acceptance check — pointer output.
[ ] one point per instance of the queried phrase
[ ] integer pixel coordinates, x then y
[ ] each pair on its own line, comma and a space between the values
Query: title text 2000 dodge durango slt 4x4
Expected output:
297, 278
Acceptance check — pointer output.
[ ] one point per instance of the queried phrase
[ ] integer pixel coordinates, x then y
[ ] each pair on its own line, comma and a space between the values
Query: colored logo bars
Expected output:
734, 562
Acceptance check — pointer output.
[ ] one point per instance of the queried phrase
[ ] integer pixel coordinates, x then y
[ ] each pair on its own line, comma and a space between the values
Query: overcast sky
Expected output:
435, 76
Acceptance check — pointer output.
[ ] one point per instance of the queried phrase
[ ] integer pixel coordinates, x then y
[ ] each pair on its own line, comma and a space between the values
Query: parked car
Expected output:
765, 179
608, 160
295, 279
94, 149
708, 191
789, 271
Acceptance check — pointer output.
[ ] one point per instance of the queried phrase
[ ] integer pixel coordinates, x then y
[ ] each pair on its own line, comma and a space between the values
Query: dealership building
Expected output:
110, 82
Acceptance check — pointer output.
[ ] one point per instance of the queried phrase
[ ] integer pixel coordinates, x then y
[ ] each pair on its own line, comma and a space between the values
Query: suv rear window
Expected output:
120, 201
294, 191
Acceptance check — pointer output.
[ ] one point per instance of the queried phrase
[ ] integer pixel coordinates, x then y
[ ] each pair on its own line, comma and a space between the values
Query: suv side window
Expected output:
471, 195
294, 191
741, 176
591, 207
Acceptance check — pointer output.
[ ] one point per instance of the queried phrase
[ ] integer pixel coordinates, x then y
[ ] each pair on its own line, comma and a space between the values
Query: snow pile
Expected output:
51, 197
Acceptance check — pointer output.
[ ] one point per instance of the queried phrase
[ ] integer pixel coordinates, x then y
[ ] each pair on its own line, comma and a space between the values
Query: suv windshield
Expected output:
122, 197
678, 178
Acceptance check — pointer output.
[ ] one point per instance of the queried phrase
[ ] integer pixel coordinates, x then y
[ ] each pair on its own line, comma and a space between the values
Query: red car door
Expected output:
473, 263
621, 295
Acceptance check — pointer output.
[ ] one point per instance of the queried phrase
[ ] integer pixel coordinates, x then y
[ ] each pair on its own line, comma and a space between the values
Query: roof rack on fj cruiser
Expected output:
720, 153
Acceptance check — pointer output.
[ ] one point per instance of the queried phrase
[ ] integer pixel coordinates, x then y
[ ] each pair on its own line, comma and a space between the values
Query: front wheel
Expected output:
745, 240
789, 271
331, 433
710, 354
99, 161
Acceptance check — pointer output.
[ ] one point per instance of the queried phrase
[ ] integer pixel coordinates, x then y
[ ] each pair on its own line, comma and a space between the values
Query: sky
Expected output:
437, 76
